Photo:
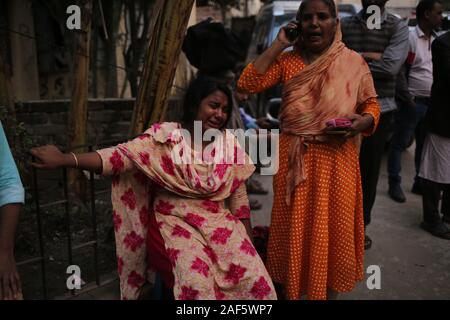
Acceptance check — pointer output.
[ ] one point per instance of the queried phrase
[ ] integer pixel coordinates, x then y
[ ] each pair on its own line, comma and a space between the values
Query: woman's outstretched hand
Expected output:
50, 157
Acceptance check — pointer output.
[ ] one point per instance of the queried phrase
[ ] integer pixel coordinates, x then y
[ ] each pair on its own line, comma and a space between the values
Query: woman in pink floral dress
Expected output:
172, 215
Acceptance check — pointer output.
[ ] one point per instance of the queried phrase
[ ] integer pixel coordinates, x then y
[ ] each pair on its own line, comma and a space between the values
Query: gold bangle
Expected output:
76, 160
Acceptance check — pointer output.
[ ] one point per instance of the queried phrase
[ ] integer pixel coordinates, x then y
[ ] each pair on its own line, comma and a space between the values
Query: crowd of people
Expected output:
190, 222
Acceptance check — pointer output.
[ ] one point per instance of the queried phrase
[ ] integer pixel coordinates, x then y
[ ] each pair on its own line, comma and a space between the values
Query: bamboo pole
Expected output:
169, 21
79, 99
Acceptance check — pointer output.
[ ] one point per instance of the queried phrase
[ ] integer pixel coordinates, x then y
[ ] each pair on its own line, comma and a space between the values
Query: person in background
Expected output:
435, 162
414, 87
385, 50
249, 121
12, 197
253, 185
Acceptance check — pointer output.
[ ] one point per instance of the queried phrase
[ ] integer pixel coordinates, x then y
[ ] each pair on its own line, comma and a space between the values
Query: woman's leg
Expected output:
157, 257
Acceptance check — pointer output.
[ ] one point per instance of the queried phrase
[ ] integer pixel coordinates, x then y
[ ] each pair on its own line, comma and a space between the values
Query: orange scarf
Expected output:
332, 86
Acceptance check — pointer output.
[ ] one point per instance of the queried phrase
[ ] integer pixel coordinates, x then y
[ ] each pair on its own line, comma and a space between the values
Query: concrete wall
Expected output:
108, 119
24, 79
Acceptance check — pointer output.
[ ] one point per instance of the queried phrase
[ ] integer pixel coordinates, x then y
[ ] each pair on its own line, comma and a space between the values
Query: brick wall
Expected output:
108, 119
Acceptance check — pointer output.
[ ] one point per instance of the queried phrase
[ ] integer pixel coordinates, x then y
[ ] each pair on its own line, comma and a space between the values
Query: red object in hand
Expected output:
339, 123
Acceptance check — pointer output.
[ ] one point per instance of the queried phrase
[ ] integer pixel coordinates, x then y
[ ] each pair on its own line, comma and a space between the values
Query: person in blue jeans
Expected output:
413, 89
409, 123
11, 200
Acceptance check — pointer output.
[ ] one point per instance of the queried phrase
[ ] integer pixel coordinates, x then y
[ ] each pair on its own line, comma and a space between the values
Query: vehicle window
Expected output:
263, 27
260, 37
343, 14
348, 9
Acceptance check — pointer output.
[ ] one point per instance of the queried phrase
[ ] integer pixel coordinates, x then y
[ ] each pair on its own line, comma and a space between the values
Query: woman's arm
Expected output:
370, 108
50, 157
365, 121
239, 207
107, 161
263, 62
266, 71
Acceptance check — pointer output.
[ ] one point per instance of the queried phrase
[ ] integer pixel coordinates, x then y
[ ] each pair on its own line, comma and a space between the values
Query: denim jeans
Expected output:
408, 121
370, 162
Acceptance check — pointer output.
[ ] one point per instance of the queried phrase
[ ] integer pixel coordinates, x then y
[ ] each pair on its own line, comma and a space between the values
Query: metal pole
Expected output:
39, 226
94, 223
67, 214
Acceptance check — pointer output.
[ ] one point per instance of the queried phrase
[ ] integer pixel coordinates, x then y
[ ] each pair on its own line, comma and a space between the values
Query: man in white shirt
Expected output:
413, 94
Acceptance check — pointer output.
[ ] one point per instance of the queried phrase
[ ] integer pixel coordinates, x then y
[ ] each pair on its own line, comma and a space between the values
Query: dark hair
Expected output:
424, 6
329, 3
199, 89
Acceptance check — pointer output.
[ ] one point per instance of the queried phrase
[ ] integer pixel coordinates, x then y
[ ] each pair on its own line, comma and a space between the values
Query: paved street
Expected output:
414, 264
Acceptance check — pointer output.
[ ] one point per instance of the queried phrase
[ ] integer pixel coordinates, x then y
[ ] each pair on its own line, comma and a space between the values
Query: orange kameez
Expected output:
318, 241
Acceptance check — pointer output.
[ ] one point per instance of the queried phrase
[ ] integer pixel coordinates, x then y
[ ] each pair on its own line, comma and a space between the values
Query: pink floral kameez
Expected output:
211, 254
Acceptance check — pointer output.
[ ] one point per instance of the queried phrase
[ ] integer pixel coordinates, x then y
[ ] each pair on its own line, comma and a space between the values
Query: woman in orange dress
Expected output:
316, 241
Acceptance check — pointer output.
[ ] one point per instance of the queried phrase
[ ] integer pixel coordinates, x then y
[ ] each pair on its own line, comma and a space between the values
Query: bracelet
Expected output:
76, 160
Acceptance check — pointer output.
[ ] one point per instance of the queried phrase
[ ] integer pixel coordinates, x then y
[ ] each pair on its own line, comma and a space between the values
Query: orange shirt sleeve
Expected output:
372, 107
253, 82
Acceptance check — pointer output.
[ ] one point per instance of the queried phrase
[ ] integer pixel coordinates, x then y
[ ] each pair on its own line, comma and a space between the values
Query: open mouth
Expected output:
314, 36
214, 124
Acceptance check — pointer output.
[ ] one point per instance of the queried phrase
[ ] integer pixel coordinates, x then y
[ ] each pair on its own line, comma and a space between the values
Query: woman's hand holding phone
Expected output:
288, 34
292, 31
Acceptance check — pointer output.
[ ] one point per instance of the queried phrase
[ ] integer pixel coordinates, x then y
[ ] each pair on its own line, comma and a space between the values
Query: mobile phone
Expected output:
292, 33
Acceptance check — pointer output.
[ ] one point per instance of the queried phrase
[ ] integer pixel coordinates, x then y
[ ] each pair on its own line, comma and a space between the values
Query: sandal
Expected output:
255, 204
439, 230
367, 242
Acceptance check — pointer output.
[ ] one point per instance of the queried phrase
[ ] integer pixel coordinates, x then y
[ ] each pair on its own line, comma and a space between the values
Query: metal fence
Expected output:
93, 242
